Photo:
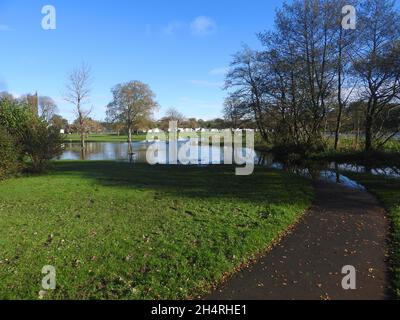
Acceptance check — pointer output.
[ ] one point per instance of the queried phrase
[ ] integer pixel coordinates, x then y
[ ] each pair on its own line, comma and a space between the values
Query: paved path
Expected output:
344, 227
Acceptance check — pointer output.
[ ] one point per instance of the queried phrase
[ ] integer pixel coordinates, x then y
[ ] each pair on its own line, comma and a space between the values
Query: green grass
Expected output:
388, 192
117, 231
371, 159
75, 138
104, 138
348, 144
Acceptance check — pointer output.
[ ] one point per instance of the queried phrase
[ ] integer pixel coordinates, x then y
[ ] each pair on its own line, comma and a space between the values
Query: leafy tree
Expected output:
93, 126
10, 162
132, 103
47, 108
41, 142
59, 122
33, 137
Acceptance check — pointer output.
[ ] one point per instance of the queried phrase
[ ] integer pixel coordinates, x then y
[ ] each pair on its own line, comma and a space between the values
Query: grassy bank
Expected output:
124, 138
372, 159
388, 192
113, 230
349, 144
103, 138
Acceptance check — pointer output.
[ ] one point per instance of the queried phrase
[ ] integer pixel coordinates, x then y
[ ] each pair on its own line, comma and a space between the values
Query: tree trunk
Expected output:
340, 102
338, 126
368, 134
82, 140
130, 140
358, 133
82, 130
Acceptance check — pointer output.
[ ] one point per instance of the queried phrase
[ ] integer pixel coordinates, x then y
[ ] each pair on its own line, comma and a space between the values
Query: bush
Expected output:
41, 143
298, 151
33, 136
13, 116
9, 155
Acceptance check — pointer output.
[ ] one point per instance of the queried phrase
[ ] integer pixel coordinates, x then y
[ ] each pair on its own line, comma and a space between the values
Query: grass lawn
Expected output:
388, 192
135, 138
104, 138
118, 231
348, 144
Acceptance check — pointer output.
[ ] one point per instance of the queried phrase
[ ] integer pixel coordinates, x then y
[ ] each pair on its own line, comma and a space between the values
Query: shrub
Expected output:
13, 116
32, 135
9, 155
41, 143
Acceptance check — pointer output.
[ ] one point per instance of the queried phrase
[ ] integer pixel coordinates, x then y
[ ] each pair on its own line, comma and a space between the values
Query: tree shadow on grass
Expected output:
216, 182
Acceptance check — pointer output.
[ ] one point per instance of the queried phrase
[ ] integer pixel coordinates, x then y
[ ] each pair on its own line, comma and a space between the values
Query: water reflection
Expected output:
205, 155
98, 151
110, 151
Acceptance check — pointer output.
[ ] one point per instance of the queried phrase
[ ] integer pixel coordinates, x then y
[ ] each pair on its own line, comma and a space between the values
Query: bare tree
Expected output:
173, 114
246, 79
234, 112
47, 108
345, 82
78, 92
298, 71
377, 65
132, 103
311, 70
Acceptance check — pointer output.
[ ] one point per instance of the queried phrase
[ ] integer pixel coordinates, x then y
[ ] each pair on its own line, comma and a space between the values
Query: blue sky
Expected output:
179, 48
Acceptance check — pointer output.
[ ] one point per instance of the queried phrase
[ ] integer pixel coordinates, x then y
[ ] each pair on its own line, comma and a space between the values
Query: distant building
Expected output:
154, 131
33, 102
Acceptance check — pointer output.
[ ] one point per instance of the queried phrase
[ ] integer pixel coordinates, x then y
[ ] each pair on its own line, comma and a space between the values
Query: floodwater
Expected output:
206, 155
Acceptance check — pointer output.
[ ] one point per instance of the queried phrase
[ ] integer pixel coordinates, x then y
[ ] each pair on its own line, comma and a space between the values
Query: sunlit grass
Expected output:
103, 138
118, 231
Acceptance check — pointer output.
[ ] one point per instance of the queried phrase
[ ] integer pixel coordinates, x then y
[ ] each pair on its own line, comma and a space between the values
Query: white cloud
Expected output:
205, 83
203, 26
5, 28
219, 71
172, 28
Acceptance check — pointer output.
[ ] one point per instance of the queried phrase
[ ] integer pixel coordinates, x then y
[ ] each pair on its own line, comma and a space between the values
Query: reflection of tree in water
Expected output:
265, 159
105, 151
312, 169
92, 149
307, 168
